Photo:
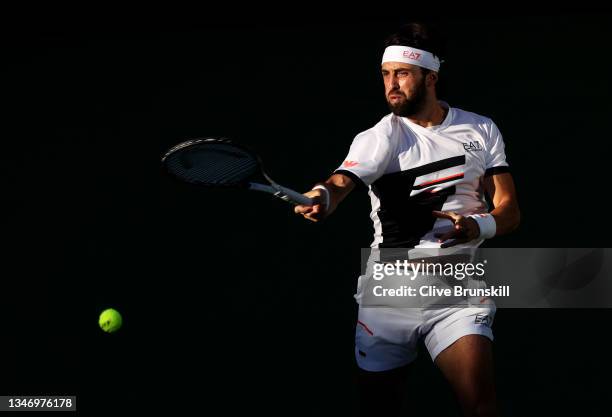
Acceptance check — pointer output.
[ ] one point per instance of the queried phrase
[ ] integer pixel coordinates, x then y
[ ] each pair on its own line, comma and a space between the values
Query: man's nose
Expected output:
393, 82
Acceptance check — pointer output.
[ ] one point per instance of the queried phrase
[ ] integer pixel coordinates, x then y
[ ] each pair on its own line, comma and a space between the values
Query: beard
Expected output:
410, 105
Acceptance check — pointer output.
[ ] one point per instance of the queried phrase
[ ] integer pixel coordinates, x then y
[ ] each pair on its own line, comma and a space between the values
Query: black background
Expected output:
229, 300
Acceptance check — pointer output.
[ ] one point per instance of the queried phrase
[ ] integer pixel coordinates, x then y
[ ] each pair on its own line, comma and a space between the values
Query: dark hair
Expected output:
420, 36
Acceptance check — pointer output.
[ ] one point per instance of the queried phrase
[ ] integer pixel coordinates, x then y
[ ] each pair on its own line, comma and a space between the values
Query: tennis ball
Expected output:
110, 320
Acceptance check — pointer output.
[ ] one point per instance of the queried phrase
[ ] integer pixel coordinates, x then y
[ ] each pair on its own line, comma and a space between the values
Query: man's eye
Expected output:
402, 73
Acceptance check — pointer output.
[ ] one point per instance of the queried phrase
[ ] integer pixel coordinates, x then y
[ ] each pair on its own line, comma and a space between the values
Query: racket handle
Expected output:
291, 196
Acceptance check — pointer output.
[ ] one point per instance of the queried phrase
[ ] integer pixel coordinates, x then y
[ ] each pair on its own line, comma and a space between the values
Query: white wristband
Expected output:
486, 223
326, 198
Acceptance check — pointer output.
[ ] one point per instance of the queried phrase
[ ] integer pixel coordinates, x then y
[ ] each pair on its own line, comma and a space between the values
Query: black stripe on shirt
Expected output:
436, 166
358, 181
496, 170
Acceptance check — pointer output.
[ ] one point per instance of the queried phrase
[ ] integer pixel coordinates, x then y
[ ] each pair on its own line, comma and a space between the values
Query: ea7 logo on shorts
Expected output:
472, 146
483, 319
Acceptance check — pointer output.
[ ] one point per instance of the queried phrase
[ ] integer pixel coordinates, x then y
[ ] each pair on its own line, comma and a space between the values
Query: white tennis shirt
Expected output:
412, 170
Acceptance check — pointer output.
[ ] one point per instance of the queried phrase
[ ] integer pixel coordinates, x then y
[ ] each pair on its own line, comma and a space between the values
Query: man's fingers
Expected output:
301, 209
463, 230
467, 227
450, 215
442, 215
312, 213
313, 217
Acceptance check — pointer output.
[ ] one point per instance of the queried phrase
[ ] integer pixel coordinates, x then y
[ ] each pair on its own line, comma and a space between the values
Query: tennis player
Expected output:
426, 167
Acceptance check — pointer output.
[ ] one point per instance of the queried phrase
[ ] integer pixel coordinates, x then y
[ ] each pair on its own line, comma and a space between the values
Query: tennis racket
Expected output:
223, 163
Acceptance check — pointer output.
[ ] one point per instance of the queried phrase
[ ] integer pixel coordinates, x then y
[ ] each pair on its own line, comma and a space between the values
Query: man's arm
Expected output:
500, 187
338, 186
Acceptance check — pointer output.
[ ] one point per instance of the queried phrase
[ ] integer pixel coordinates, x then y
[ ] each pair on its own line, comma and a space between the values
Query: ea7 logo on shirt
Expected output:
472, 146
349, 164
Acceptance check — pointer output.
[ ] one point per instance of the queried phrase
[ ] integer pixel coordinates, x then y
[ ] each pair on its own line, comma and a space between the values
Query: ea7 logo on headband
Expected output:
472, 146
412, 55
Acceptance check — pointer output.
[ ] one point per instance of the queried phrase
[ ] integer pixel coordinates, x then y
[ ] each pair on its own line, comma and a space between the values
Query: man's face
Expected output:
405, 88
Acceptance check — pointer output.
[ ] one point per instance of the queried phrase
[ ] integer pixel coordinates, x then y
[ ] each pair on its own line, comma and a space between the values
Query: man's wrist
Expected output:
486, 223
326, 195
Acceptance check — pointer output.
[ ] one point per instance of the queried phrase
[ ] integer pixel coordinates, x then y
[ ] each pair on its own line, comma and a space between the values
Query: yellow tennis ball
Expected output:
110, 320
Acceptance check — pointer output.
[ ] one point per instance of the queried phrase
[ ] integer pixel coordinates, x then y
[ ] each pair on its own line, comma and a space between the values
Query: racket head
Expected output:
214, 162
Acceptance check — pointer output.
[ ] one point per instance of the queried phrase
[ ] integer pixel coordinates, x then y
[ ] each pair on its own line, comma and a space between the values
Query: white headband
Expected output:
408, 55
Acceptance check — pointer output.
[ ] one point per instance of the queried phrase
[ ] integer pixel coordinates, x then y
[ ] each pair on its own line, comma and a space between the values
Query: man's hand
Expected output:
338, 186
315, 212
464, 229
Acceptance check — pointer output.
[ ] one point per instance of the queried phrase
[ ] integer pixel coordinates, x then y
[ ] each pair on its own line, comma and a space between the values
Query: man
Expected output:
426, 166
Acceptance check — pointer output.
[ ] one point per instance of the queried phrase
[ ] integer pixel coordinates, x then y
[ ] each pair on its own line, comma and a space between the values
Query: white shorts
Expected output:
387, 338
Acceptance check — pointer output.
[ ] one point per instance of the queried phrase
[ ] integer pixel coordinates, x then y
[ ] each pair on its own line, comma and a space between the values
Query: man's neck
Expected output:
432, 114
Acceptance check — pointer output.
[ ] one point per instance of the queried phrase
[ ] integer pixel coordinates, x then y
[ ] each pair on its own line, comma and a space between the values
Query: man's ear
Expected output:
432, 78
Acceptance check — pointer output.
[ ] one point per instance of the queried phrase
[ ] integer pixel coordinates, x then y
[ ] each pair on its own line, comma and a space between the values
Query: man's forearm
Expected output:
339, 186
503, 196
507, 217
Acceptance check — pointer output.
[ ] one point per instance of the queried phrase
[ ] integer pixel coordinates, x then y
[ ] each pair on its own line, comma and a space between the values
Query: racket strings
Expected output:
222, 171
210, 164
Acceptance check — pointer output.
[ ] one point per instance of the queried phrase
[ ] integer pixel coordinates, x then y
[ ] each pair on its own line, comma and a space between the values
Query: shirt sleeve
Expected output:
368, 158
495, 156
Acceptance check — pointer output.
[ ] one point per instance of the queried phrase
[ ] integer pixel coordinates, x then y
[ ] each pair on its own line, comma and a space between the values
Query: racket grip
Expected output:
291, 196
